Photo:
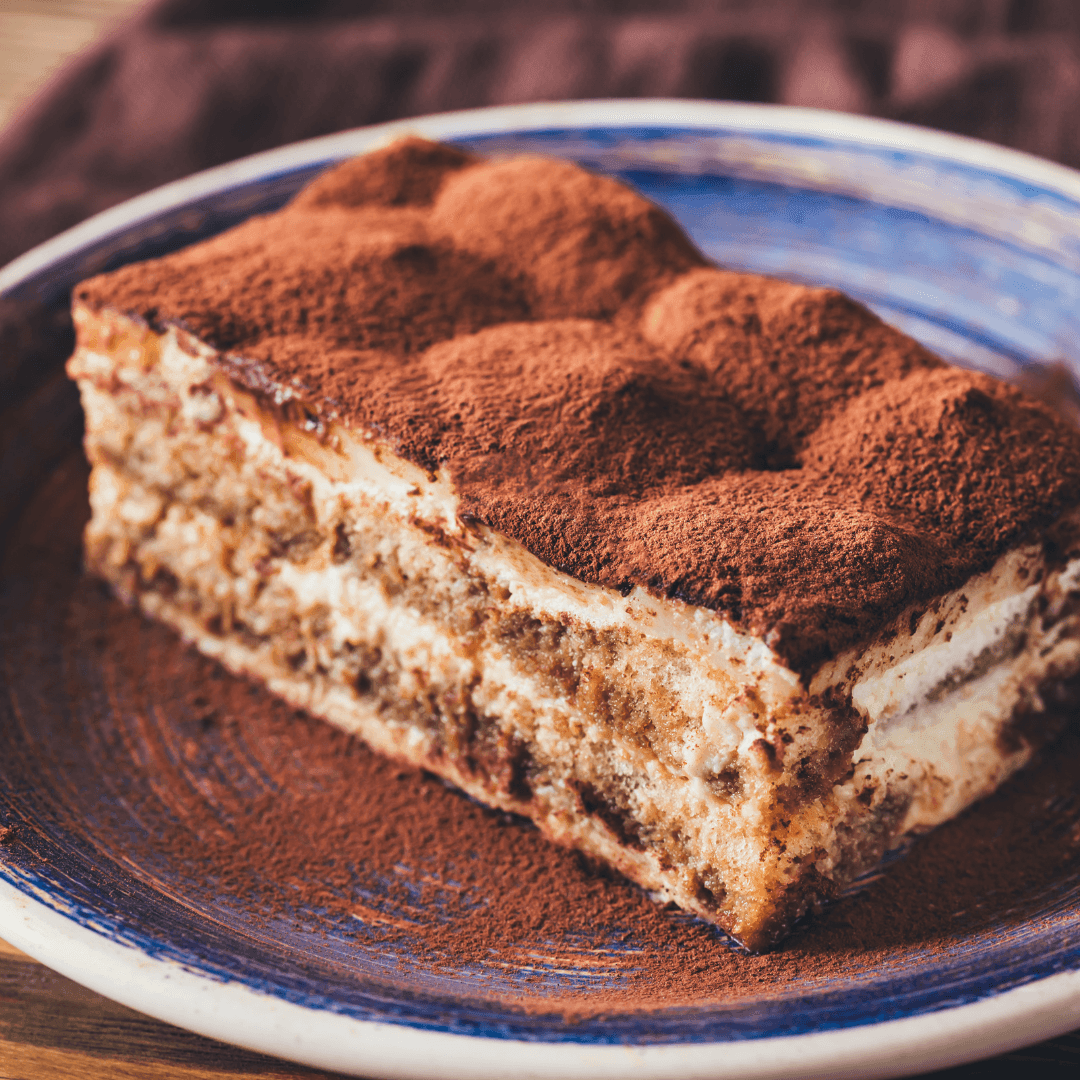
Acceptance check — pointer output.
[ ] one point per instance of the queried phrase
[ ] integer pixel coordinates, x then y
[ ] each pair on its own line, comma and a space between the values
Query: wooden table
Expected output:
54, 1029
37, 36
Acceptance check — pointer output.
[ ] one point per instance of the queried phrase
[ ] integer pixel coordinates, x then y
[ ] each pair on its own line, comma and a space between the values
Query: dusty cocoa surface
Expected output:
628, 413
238, 795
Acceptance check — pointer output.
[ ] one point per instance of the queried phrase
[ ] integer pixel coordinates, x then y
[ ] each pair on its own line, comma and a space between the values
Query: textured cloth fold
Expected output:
186, 84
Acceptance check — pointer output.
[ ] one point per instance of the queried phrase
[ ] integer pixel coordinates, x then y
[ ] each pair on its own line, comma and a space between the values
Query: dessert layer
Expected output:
653, 734
553, 346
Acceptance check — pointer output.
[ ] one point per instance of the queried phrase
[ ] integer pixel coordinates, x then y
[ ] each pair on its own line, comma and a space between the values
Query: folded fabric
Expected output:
187, 84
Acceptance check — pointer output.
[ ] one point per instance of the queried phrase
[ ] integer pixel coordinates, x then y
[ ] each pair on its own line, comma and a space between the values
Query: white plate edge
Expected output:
234, 1013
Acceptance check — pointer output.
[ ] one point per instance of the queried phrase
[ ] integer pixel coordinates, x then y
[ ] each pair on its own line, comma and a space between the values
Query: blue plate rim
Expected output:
731, 117
239, 1014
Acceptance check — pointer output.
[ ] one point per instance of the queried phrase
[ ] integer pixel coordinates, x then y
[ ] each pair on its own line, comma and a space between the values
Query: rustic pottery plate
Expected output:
973, 249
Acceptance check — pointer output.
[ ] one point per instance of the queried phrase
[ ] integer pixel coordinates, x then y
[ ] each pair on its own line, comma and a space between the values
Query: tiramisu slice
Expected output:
714, 577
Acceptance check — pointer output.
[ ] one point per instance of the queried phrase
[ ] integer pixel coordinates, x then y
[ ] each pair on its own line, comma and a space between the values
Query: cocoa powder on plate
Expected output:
235, 795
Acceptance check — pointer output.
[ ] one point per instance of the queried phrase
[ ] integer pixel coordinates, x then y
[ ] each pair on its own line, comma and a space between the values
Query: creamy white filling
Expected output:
936, 714
946, 754
916, 683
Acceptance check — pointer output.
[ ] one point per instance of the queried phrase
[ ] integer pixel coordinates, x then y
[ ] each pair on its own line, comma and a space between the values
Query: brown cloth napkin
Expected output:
187, 84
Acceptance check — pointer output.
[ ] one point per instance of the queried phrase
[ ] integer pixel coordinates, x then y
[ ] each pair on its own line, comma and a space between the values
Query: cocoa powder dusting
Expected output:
630, 414
231, 793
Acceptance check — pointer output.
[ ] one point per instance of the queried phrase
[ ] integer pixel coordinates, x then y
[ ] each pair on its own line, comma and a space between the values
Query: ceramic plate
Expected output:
973, 249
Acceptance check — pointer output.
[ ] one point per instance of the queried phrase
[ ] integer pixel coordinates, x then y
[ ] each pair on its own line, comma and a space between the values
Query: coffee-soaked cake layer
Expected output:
651, 733
554, 346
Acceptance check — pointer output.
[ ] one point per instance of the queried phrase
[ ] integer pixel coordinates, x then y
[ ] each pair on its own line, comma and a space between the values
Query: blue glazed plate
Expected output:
972, 249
